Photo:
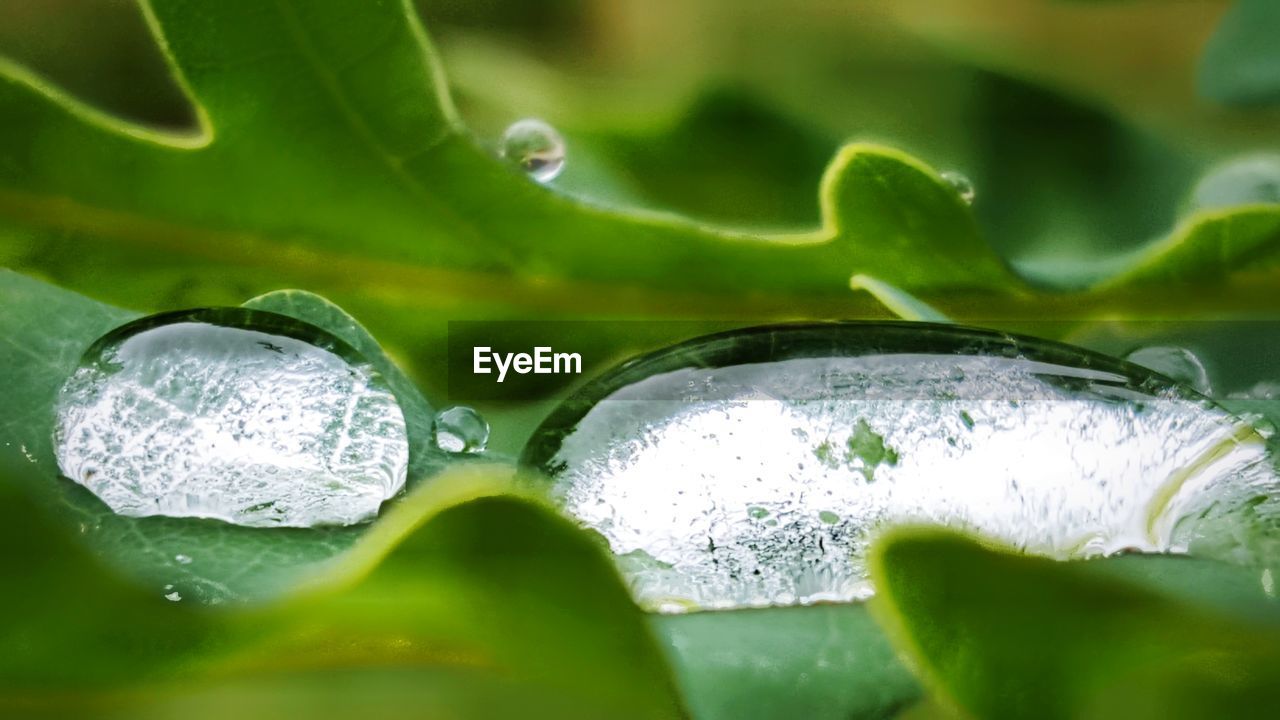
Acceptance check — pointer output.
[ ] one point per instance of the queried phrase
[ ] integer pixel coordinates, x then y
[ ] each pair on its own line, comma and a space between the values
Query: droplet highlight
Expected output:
961, 184
239, 415
536, 147
756, 467
461, 429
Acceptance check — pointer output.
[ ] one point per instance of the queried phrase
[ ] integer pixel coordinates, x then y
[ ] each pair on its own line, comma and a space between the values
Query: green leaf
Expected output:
1003, 635
900, 303
430, 610
820, 662
1241, 63
328, 155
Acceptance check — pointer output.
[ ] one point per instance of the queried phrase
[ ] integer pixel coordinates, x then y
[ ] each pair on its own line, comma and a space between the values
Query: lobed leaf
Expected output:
1003, 636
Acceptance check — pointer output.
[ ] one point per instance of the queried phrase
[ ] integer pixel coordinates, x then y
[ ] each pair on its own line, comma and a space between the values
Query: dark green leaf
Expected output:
1010, 636
821, 662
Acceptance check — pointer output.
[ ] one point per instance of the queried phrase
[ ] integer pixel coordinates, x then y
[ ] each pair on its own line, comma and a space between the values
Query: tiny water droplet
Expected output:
535, 147
961, 184
182, 559
1176, 362
240, 415
173, 597
460, 429
1249, 180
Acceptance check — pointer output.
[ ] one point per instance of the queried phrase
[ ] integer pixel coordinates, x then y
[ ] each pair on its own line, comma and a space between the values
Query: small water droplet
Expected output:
961, 184
182, 559
460, 429
240, 415
1268, 583
1176, 362
173, 597
535, 147
1249, 180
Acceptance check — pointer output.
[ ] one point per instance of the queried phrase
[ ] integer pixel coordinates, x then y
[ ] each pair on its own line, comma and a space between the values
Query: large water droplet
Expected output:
460, 429
1248, 180
754, 468
1176, 362
961, 184
240, 415
536, 147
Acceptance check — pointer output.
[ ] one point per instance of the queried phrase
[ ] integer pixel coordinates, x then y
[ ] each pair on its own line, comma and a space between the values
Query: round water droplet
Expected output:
1178, 363
826, 434
460, 429
1245, 181
961, 184
240, 415
536, 147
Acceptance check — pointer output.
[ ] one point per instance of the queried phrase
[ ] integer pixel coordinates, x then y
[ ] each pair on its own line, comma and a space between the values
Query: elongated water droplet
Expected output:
239, 415
1053, 449
182, 559
1178, 363
536, 147
460, 429
1249, 180
961, 184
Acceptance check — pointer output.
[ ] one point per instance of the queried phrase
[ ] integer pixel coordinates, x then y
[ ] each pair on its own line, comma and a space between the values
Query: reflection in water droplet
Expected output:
1178, 363
239, 415
460, 429
1064, 453
1248, 180
961, 184
182, 559
536, 147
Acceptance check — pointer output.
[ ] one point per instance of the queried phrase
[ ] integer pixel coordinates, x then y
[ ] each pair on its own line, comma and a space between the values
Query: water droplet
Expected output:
1249, 180
535, 147
460, 429
1264, 390
182, 559
1178, 363
240, 415
1066, 453
1268, 583
173, 597
961, 184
